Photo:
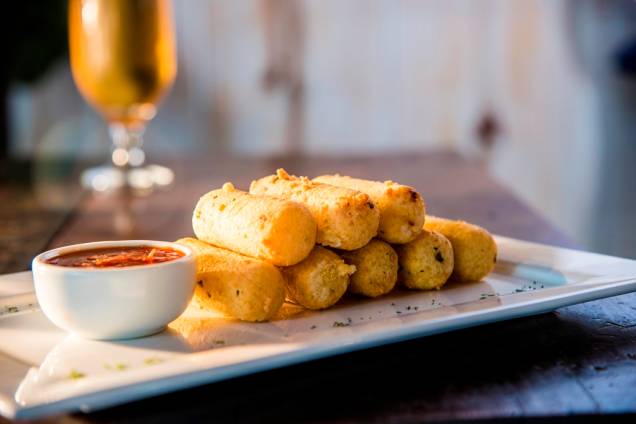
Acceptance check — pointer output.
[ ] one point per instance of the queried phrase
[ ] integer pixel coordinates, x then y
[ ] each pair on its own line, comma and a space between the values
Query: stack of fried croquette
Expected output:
311, 241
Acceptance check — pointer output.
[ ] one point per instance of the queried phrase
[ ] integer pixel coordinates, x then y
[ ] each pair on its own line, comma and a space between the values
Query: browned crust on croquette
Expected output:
319, 281
402, 208
242, 287
475, 249
277, 230
376, 268
346, 219
427, 262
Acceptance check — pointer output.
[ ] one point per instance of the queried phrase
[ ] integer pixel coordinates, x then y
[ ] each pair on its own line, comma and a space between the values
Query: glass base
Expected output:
105, 178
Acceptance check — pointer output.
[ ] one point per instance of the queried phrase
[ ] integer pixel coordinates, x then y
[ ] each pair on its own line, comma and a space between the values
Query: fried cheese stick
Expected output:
242, 287
426, 263
346, 219
276, 230
319, 281
475, 250
402, 209
376, 268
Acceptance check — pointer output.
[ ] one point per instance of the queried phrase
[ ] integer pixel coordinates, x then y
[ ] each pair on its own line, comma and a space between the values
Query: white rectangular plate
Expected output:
45, 371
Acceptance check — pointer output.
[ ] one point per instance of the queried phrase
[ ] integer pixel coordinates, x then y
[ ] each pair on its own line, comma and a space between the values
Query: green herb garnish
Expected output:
152, 361
76, 375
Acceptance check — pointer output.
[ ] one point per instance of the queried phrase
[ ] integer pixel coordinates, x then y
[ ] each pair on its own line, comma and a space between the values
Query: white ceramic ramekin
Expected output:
114, 303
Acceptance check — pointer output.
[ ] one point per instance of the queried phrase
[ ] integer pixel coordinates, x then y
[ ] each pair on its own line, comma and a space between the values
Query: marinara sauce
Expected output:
116, 257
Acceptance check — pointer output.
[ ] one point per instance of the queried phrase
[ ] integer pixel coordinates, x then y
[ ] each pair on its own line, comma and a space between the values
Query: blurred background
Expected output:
543, 93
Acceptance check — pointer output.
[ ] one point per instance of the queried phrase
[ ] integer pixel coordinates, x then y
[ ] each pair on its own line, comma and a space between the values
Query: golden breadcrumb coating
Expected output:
277, 230
474, 248
376, 268
319, 281
426, 262
346, 219
242, 287
402, 209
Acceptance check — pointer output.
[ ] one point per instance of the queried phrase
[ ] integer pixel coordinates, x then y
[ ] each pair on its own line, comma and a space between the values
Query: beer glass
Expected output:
123, 61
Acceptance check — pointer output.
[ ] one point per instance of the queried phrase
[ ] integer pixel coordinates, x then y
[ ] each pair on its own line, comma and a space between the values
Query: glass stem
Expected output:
127, 142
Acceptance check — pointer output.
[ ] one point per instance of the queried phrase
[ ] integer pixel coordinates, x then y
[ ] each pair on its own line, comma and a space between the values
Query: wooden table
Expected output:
576, 360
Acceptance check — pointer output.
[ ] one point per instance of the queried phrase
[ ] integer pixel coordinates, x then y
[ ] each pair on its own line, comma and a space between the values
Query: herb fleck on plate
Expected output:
75, 375
10, 310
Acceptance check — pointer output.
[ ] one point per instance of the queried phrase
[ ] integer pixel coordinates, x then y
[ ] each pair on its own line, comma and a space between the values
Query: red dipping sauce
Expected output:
116, 257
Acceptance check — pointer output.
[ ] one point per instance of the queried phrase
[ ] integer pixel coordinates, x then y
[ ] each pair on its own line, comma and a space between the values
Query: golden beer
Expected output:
122, 56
